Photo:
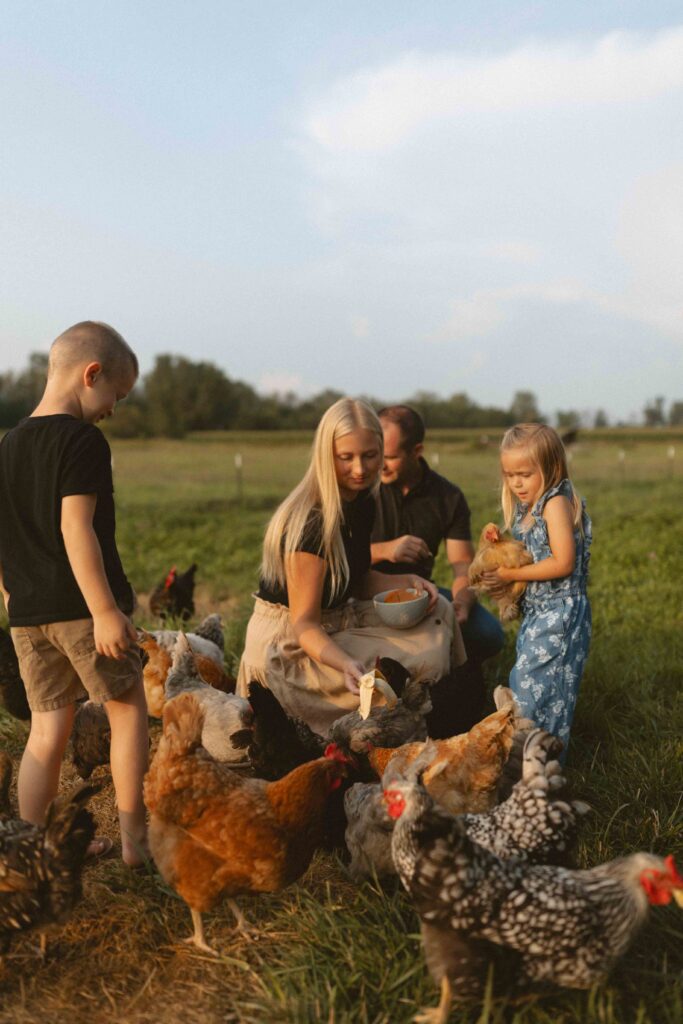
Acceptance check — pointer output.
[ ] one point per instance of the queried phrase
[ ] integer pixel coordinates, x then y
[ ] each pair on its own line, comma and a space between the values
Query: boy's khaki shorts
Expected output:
59, 665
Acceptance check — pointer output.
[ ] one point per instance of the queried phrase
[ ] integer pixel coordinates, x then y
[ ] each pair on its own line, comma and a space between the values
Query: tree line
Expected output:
178, 396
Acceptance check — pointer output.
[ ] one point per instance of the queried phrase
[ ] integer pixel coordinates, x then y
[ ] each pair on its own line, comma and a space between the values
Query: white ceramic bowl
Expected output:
401, 614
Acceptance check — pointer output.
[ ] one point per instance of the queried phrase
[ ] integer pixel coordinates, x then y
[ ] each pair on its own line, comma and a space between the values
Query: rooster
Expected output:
174, 597
40, 866
494, 551
215, 834
534, 823
562, 927
228, 719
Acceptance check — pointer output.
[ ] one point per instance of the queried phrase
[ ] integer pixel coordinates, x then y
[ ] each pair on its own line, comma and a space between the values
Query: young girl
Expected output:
543, 510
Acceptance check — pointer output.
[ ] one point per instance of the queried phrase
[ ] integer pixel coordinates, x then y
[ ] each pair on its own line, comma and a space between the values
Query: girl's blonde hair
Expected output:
319, 490
547, 452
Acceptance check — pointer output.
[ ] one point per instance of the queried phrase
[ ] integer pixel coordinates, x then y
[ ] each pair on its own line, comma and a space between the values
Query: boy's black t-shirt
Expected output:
42, 460
356, 528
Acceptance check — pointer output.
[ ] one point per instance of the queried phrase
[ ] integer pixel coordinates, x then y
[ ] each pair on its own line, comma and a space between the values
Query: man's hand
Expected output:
114, 633
461, 607
408, 549
417, 583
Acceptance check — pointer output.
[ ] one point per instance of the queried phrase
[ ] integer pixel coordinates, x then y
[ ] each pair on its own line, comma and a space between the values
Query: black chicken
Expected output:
40, 866
279, 743
12, 692
174, 596
90, 738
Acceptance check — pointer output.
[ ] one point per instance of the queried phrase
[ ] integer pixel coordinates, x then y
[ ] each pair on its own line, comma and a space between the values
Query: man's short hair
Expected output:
91, 341
408, 421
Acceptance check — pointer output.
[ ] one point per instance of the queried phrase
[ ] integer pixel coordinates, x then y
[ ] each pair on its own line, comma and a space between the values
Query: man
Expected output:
417, 509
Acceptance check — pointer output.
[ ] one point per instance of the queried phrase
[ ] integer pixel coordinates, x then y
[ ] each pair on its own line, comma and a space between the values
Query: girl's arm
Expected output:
305, 580
559, 518
114, 632
376, 582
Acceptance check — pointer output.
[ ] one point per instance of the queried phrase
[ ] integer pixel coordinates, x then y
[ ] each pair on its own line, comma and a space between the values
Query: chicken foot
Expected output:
197, 939
438, 1014
241, 924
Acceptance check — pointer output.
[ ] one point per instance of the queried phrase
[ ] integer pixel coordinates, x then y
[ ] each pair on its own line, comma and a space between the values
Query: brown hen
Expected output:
215, 834
496, 550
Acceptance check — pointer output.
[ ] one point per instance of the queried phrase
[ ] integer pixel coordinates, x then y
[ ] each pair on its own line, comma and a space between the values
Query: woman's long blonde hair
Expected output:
547, 452
318, 490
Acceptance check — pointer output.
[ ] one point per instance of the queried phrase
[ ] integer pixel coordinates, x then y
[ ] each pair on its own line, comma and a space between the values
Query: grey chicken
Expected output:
560, 926
228, 719
390, 726
40, 866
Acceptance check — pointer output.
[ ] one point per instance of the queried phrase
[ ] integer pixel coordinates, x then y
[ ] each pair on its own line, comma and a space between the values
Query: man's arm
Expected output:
401, 549
460, 554
113, 631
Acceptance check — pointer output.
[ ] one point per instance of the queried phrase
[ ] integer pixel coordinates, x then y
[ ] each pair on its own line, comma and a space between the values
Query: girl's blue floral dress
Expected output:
554, 637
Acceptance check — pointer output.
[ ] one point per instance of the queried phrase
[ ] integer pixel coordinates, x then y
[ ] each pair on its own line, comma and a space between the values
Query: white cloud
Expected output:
374, 110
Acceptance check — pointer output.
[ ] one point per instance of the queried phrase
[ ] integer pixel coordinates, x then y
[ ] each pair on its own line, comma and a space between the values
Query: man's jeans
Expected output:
482, 634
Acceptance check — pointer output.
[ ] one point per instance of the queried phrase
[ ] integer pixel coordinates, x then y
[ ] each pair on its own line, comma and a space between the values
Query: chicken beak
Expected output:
678, 896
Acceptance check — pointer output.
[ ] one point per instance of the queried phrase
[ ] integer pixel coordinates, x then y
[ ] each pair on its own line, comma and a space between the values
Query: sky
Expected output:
378, 198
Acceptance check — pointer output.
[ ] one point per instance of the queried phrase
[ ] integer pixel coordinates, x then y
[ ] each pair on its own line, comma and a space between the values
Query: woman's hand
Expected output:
352, 670
419, 584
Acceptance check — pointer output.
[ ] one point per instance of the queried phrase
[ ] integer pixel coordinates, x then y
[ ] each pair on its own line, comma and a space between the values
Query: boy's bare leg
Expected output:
129, 756
40, 767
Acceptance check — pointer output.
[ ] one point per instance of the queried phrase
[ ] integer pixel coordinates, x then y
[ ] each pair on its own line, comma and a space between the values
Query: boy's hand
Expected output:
114, 633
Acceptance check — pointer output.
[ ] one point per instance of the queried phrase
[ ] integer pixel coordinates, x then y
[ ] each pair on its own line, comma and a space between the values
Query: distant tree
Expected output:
524, 408
600, 419
20, 393
676, 414
565, 419
653, 413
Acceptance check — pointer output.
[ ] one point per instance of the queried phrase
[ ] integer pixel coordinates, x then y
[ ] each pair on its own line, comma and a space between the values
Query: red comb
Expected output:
170, 579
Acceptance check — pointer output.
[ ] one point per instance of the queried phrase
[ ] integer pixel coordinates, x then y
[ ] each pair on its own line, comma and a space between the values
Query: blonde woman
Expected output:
314, 631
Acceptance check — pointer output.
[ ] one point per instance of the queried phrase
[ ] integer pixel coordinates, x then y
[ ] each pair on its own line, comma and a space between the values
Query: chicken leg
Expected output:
197, 939
439, 1014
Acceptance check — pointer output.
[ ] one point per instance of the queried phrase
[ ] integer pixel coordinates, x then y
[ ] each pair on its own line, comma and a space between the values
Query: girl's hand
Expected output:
353, 670
496, 580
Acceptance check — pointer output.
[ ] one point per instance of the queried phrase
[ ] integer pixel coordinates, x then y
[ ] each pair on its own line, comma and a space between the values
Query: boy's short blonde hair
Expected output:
91, 341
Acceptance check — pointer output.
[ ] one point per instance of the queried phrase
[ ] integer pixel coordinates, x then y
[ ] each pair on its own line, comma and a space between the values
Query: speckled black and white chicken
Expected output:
559, 926
40, 866
536, 823
228, 719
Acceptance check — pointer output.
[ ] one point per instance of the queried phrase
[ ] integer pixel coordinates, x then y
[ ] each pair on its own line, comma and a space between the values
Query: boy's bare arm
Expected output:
4, 593
113, 631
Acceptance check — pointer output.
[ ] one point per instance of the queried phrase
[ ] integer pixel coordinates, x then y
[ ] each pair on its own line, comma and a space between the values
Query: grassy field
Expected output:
329, 951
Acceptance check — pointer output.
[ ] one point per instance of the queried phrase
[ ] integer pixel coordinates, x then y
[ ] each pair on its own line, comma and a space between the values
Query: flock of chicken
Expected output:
478, 827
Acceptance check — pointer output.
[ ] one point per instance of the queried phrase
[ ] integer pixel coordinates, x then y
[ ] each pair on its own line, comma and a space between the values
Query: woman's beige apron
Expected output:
315, 692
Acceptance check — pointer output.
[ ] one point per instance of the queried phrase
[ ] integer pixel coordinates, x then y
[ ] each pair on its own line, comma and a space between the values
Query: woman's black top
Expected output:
356, 529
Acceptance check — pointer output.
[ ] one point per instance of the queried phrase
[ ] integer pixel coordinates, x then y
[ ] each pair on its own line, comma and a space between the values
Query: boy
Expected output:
66, 593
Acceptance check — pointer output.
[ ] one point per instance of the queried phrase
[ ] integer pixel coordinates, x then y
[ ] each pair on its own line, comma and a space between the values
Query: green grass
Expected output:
330, 951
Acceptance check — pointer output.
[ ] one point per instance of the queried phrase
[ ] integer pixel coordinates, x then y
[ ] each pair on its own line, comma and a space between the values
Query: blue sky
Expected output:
375, 197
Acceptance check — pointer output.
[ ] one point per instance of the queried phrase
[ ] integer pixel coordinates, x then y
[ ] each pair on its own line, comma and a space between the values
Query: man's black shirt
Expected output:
435, 510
